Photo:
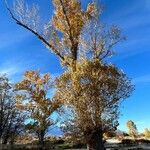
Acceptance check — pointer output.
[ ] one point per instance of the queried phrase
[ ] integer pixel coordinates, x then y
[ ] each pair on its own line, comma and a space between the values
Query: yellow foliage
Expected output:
90, 87
93, 91
35, 88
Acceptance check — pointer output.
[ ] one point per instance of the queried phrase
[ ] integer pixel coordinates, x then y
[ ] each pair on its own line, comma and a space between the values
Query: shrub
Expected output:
60, 141
143, 141
133, 132
147, 133
65, 146
109, 134
79, 145
128, 141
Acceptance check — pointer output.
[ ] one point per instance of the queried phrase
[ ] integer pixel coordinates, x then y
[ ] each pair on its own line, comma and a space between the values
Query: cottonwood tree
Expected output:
35, 89
93, 93
11, 118
133, 132
83, 44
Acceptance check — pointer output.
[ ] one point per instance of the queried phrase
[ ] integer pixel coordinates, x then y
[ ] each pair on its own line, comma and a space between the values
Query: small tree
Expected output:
11, 118
35, 88
147, 133
133, 132
15, 127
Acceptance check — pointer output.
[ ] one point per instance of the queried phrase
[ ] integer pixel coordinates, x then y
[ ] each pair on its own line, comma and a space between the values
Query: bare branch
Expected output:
40, 37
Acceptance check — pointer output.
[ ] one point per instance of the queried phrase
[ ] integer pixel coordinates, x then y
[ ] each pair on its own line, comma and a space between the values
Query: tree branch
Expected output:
74, 45
109, 48
34, 32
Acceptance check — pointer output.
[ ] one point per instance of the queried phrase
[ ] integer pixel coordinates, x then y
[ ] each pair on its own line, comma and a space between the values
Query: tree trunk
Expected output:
41, 139
6, 137
5, 140
95, 141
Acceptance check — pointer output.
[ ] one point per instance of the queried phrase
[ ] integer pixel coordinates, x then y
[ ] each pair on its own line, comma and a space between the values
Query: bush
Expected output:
143, 141
60, 141
79, 145
72, 146
147, 133
128, 141
109, 134
139, 141
65, 146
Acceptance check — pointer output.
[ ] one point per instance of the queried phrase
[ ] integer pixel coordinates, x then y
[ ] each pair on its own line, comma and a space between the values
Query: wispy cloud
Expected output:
9, 70
141, 125
124, 11
12, 38
134, 22
132, 47
146, 4
15, 69
142, 79
12, 70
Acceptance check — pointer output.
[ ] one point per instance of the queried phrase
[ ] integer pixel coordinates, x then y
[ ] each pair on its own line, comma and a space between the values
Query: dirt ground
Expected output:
108, 147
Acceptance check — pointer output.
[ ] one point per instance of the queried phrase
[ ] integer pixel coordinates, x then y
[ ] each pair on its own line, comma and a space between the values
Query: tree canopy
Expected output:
34, 90
11, 118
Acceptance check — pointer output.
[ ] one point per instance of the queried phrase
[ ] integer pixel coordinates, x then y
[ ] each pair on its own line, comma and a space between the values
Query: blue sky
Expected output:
21, 51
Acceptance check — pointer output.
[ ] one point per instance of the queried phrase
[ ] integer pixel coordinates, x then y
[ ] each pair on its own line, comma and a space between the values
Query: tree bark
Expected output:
95, 141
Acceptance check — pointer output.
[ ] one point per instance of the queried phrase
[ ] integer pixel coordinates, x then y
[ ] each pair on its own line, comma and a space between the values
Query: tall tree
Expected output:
35, 89
133, 132
93, 93
70, 28
77, 36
